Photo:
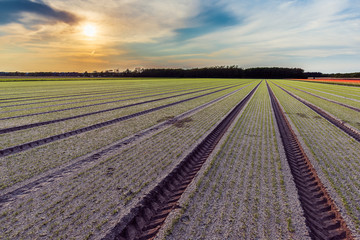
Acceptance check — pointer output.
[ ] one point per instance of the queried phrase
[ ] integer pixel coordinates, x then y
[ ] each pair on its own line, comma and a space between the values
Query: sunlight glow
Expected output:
89, 30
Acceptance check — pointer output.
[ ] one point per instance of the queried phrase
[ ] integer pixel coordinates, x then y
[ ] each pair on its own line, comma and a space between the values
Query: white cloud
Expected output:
294, 33
291, 32
135, 20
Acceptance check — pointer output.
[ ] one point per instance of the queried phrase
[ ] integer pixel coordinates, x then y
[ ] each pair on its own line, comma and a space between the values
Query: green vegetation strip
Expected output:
351, 132
96, 196
321, 213
22, 127
146, 218
98, 154
337, 91
335, 156
23, 147
329, 100
102, 103
246, 192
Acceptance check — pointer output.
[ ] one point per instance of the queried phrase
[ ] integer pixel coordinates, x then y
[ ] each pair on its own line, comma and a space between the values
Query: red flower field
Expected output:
331, 80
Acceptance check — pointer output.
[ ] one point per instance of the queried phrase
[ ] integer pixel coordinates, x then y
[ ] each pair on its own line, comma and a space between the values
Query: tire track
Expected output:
58, 96
134, 93
322, 216
72, 98
338, 123
38, 124
36, 184
89, 105
145, 220
329, 100
36, 143
55, 92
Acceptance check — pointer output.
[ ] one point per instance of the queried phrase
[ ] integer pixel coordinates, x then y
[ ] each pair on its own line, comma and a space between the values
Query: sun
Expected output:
89, 30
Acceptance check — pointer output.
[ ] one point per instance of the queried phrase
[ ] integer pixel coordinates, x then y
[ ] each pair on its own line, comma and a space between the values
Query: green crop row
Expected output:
336, 155
243, 194
96, 196
346, 115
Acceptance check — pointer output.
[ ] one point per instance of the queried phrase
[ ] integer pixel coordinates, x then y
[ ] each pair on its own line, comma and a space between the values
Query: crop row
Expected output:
327, 95
246, 192
73, 166
22, 94
53, 117
345, 114
14, 108
335, 155
60, 126
26, 91
27, 103
327, 99
336, 92
27, 106
18, 167
96, 196
66, 105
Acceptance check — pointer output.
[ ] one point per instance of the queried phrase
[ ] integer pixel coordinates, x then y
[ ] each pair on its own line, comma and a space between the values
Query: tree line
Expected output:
206, 72
223, 72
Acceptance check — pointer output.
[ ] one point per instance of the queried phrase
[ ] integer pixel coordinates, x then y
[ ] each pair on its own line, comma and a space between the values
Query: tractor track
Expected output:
38, 124
43, 141
145, 219
326, 99
81, 162
117, 95
338, 123
78, 107
112, 93
322, 216
62, 100
35, 98
92, 105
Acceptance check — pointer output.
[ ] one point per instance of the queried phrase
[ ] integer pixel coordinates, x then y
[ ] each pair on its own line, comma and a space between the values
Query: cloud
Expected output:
211, 17
187, 33
268, 33
12, 10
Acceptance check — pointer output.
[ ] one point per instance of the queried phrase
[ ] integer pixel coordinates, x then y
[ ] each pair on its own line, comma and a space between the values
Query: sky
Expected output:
98, 35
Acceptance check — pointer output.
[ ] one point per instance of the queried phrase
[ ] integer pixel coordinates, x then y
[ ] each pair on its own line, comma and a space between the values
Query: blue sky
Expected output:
44, 35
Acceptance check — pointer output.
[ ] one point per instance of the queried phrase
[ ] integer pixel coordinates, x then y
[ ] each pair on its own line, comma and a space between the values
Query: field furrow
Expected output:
335, 154
21, 166
96, 196
338, 92
50, 131
82, 158
243, 194
327, 99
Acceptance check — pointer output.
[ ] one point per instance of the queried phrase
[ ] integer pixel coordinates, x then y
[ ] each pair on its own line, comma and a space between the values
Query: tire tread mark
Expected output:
38, 124
36, 143
12, 195
351, 132
322, 216
326, 99
145, 219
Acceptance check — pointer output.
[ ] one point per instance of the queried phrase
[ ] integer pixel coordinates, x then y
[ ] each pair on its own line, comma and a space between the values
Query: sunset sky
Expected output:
88, 35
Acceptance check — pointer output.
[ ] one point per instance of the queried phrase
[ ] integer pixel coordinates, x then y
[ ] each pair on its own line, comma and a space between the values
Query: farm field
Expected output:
336, 155
346, 94
354, 82
246, 192
78, 156
345, 114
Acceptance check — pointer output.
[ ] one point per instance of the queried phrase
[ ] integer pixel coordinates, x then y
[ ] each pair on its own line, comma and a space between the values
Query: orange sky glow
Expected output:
75, 35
